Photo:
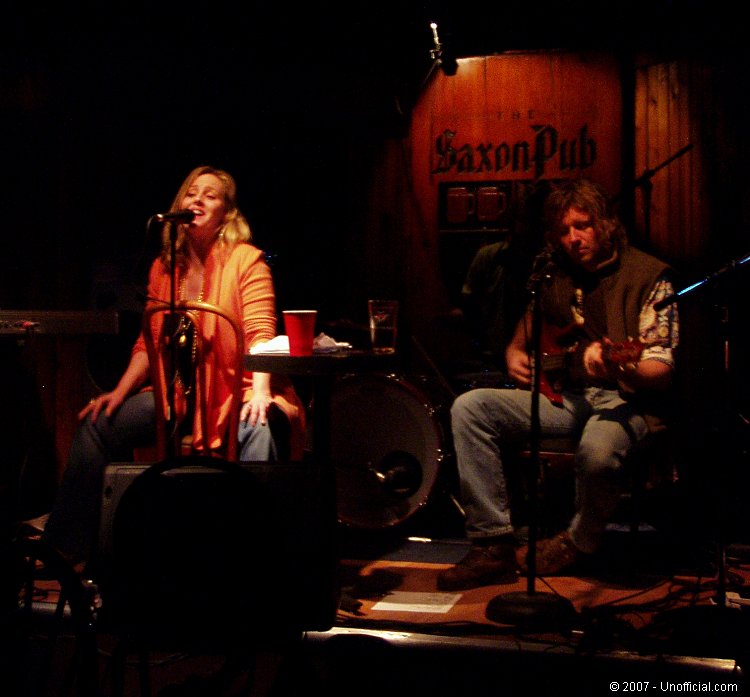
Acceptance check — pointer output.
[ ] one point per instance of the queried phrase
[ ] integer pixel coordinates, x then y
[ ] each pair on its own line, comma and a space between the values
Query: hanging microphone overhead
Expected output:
435, 52
443, 58
184, 216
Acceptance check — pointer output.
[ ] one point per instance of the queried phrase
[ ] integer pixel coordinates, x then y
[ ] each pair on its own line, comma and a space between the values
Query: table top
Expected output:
321, 363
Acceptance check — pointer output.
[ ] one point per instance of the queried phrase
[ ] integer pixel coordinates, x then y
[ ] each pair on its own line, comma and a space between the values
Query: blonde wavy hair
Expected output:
586, 196
233, 231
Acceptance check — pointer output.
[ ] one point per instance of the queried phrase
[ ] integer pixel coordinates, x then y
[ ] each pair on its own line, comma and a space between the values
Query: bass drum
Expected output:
388, 444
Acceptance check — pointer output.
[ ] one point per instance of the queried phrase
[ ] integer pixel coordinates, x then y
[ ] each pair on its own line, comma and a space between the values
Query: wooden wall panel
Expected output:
671, 203
497, 127
694, 217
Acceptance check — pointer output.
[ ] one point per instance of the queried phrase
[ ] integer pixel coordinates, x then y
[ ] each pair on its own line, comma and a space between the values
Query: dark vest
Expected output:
628, 287
631, 283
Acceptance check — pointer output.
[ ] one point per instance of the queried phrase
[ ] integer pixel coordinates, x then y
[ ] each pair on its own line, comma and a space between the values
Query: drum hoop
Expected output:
432, 460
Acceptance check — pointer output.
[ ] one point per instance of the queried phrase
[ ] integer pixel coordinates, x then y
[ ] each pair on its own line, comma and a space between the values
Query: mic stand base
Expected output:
532, 611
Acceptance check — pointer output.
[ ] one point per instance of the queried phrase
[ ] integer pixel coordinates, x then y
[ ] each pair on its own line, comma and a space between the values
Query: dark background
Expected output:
107, 106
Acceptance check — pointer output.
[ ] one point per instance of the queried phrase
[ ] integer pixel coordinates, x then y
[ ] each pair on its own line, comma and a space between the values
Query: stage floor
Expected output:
646, 614
643, 613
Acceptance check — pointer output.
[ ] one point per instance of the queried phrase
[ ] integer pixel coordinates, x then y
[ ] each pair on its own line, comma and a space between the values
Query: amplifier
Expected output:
258, 536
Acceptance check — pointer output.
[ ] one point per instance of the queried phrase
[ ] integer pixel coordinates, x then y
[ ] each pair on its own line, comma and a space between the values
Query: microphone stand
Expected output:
173, 437
530, 609
724, 319
717, 627
171, 323
644, 182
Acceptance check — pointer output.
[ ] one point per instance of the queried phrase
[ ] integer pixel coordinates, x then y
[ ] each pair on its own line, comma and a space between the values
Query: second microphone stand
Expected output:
529, 609
717, 627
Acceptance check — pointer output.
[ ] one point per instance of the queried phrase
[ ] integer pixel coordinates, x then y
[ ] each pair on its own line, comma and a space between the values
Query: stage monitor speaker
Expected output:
210, 541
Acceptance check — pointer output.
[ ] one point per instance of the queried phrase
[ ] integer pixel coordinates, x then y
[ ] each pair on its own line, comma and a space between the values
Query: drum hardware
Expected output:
399, 473
433, 367
389, 441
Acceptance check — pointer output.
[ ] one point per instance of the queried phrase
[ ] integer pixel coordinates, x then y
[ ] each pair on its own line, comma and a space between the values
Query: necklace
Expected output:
187, 334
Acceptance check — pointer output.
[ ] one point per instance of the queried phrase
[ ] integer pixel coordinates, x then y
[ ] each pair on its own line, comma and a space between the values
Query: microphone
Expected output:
545, 258
435, 52
544, 264
185, 216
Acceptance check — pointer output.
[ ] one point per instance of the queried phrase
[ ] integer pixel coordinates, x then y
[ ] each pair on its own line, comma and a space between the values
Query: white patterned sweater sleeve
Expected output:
660, 329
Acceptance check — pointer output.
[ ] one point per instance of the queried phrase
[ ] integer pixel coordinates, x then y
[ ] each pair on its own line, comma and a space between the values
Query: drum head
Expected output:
387, 446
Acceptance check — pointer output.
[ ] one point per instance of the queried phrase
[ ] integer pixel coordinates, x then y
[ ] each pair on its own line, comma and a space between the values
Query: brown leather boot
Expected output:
553, 555
482, 566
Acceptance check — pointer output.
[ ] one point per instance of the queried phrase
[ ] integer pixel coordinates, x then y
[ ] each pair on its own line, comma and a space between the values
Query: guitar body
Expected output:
559, 349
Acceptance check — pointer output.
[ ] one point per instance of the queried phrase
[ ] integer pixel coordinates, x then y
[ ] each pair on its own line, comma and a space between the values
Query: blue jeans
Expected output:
74, 520
486, 422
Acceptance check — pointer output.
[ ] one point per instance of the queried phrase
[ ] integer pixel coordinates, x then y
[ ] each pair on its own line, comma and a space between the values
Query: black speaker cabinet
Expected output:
208, 540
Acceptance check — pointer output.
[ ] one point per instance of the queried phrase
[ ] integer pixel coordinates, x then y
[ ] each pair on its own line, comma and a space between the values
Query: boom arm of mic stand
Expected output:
725, 270
645, 178
433, 68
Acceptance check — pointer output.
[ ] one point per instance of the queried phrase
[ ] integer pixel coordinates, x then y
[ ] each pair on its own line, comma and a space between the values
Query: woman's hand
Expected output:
256, 410
109, 402
134, 376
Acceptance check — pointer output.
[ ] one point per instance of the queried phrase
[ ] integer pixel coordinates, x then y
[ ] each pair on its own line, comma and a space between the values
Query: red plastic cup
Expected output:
300, 328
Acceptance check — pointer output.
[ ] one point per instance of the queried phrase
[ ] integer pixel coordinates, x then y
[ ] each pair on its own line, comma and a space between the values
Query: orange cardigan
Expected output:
239, 281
